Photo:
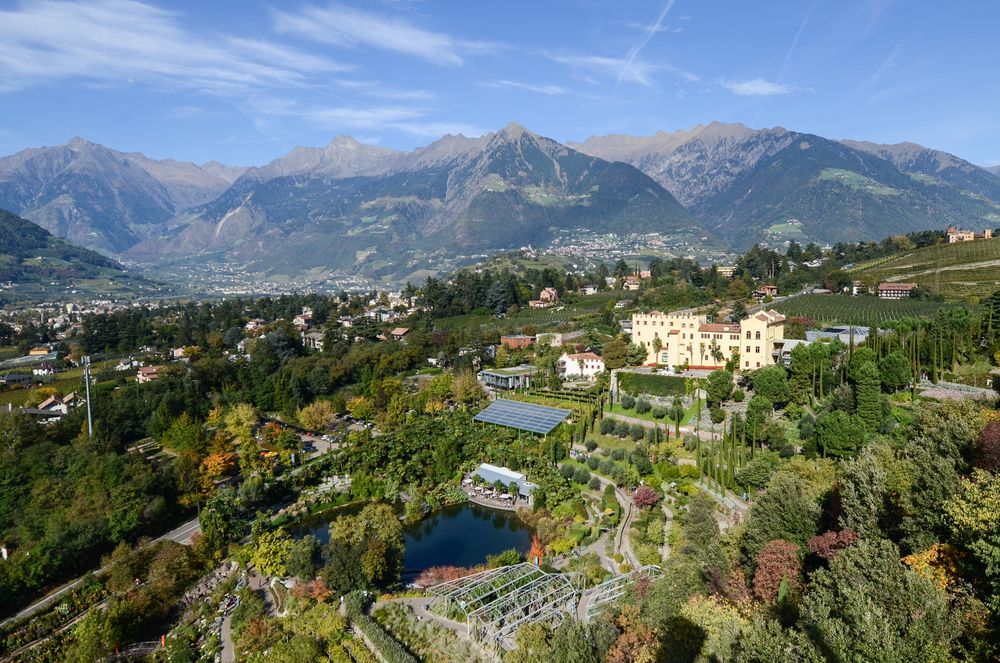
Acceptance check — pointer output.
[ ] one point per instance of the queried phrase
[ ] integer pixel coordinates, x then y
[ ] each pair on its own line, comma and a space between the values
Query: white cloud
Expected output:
124, 41
757, 87
344, 26
636, 71
548, 88
373, 119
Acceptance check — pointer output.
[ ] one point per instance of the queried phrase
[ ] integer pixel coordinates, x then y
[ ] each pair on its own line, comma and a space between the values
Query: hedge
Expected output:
388, 647
648, 383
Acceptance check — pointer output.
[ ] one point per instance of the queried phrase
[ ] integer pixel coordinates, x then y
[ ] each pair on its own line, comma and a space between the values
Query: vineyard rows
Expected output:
867, 311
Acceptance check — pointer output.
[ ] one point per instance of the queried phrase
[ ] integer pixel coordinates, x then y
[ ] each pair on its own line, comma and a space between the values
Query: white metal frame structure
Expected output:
610, 591
497, 602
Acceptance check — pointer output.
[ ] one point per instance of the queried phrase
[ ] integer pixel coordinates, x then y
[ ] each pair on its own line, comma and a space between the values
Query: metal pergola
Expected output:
610, 591
497, 602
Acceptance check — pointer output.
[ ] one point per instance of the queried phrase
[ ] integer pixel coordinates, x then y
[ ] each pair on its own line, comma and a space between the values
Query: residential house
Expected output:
547, 297
765, 291
399, 333
313, 340
590, 290
584, 365
550, 295
38, 351
147, 374
60, 404
631, 282
896, 290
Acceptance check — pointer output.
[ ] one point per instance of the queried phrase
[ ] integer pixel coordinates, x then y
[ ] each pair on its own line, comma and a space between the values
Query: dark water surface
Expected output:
458, 535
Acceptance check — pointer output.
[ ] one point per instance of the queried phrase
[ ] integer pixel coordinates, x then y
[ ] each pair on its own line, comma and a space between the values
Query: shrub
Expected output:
638, 432
387, 646
627, 402
567, 471
659, 412
618, 454
590, 444
642, 406
594, 483
718, 416
606, 467
644, 496
739, 395
621, 429
592, 462
608, 426
581, 475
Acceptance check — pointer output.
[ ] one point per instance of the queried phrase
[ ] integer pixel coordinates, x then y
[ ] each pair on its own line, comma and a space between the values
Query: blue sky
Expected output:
242, 82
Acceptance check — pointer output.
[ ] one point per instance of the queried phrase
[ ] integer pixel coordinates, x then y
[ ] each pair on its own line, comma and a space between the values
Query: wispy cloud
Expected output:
380, 91
633, 52
547, 88
795, 42
129, 41
373, 119
353, 28
757, 87
637, 72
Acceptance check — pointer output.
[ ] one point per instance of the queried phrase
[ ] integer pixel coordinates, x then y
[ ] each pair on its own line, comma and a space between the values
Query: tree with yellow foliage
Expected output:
240, 420
318, 415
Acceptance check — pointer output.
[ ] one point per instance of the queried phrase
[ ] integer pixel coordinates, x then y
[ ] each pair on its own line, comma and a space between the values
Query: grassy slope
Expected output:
957, 271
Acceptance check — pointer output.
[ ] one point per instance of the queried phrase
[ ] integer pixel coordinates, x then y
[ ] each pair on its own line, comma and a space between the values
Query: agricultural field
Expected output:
965, 271
541, 319
864, 310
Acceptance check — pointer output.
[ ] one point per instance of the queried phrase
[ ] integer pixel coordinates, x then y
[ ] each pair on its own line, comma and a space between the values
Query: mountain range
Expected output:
363, 209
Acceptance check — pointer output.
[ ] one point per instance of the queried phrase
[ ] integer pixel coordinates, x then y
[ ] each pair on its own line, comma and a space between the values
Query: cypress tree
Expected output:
868, 396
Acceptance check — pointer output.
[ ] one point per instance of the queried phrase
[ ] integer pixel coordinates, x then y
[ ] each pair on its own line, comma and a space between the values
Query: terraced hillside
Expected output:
961, 271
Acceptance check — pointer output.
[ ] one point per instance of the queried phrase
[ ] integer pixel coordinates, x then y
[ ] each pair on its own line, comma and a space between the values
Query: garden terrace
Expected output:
497, 602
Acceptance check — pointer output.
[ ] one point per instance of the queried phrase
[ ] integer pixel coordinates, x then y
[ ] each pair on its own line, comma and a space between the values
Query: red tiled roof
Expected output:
719, 327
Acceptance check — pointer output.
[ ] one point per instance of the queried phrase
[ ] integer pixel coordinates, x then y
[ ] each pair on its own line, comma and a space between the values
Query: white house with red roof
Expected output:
584, 365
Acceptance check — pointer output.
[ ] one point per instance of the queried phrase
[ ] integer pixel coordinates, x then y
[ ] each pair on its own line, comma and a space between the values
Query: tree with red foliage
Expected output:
828, 544
644, 496
435, 575
777, 561
313, 589
987, 453
537, 551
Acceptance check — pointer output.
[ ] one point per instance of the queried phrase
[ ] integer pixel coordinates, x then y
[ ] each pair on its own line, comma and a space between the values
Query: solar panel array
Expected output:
523, 416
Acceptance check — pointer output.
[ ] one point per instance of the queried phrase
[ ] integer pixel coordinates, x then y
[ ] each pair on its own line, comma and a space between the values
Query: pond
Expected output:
457, 535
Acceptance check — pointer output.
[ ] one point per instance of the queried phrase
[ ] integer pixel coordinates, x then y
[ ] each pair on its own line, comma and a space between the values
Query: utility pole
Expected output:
86, 382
